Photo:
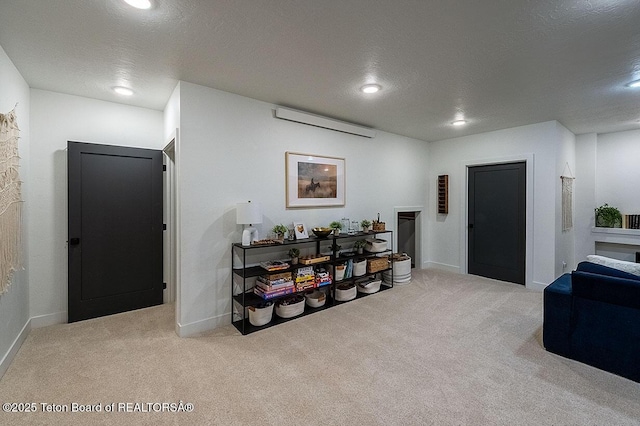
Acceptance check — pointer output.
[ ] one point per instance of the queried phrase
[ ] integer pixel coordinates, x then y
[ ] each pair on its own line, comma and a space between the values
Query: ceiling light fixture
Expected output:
370, 88
124, 91
139, 4
459, 122
634, 84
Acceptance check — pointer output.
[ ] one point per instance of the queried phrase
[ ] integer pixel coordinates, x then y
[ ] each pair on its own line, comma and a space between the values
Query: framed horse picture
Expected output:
314, 180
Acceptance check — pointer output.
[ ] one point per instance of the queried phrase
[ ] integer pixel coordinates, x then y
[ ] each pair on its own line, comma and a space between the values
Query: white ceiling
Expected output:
496, 63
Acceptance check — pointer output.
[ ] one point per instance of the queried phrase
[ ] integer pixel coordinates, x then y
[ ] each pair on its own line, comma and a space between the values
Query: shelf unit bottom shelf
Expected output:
275, 320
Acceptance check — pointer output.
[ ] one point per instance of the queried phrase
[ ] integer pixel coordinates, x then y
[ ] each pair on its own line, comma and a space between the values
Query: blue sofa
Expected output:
592, 315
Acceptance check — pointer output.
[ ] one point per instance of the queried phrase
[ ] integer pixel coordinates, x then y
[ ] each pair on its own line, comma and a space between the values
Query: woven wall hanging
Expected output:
10, 200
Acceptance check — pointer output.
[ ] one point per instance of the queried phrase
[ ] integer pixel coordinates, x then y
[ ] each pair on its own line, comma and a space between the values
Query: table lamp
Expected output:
248, 214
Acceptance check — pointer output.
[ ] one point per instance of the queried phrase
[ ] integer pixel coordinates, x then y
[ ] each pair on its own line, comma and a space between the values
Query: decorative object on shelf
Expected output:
10, 200
353, 228
293, 254
366, 225
443, 194
274, 265
377, 225
346, 224
322, 232
567, 198
292, 233
608, 217
279, 230
359, 246
314, 181
336, 226
336, 248
300, 230
248, 214
314, 258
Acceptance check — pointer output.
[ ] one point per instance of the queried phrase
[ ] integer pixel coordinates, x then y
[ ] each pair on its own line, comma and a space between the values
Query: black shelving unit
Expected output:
245, 298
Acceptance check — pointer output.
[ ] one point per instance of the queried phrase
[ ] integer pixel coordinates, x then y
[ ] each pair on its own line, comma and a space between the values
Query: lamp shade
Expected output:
248, 213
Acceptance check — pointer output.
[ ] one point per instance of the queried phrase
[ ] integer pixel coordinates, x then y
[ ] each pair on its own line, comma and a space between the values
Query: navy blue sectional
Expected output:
592, 315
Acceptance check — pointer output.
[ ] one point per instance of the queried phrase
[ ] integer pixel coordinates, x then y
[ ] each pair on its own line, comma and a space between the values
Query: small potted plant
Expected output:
280, 230
294, 253
608, 217
359, 246
366, 225
336, 226
336, 248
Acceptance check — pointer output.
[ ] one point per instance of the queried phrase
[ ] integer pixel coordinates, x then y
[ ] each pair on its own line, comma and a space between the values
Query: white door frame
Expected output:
420, 217
172, 220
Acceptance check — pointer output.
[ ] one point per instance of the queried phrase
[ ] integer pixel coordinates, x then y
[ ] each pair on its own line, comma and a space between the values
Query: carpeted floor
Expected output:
445, 349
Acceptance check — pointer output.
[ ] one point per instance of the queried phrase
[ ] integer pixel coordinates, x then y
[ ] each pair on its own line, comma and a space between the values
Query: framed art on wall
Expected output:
314, 181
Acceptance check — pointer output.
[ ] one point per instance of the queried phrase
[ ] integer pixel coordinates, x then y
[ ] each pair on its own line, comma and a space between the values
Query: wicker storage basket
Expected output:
378, 226
377, 264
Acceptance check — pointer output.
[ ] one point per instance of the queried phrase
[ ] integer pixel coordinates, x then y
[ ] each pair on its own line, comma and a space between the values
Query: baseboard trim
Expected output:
15, 347
49, 319
208, 324
537, 286
443, 266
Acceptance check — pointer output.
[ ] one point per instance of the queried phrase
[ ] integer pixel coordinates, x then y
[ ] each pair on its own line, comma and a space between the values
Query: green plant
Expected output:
359, 243
365, 223
608, 217
293, 252
335, 225
336, 247
279, 229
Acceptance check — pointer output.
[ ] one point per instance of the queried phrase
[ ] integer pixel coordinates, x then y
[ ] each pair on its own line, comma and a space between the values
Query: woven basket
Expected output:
377, 264
378, 226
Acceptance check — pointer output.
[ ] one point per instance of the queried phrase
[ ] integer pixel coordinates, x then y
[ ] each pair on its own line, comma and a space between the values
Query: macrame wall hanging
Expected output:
10, 200
567, 198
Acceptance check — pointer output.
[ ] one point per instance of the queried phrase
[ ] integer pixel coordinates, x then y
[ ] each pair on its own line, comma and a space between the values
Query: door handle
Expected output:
74, 241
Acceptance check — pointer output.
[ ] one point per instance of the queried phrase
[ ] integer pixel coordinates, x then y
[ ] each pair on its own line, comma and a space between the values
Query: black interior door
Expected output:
115, 229
497, 221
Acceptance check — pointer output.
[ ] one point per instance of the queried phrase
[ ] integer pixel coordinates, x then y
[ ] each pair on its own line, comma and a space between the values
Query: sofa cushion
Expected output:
606, 289
630, 267
596, 268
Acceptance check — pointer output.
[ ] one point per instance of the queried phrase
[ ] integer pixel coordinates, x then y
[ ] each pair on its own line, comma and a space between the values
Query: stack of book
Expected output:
631, 221
274, 285
305, 278
274, 265
322, 277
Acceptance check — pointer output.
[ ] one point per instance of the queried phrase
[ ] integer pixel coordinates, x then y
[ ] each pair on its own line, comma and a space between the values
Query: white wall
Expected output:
232, 149
14, 304
537, 144
55, 119
607, 172
618, 172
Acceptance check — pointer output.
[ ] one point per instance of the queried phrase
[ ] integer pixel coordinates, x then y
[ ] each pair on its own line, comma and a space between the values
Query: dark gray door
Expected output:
115, 229
496, 223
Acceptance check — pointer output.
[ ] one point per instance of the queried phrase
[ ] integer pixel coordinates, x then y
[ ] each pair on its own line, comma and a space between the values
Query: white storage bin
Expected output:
359, 267
369, 285
376, 245
316, 299
346, 292
291, 307
260, 316
338, 273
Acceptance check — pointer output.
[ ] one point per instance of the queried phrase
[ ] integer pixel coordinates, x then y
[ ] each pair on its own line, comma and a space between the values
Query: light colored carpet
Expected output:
445, 349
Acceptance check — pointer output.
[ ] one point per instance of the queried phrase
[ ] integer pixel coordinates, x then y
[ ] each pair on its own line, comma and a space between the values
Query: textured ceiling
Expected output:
498, 63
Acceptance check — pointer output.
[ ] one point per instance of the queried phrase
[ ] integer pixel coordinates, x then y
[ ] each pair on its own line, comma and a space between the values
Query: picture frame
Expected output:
300, 230
314, 180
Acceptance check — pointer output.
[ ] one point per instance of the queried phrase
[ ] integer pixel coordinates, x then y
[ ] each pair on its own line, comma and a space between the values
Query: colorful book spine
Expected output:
272, 294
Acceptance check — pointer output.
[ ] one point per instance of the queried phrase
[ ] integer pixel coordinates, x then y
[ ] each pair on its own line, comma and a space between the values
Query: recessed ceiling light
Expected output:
139, 4
370, 88
124, 91
459, 122
634, 84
